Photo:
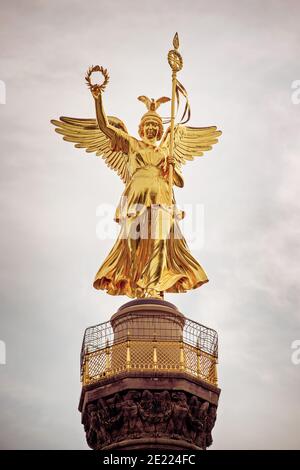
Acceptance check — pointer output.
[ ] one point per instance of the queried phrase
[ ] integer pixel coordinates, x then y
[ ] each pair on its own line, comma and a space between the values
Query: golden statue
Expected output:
150, 256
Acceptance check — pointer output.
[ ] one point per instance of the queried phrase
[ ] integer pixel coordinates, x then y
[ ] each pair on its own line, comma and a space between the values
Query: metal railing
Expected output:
194, 352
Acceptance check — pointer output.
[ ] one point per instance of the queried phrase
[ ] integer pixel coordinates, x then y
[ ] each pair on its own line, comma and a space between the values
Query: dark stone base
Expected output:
149, 410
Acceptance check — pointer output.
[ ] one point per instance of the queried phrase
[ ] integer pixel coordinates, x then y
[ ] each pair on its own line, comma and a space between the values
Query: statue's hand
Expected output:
165, 166
164, 169
96, 91
95, 88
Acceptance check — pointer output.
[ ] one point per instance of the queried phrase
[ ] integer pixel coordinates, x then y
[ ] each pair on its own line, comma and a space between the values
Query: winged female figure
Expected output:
150, 256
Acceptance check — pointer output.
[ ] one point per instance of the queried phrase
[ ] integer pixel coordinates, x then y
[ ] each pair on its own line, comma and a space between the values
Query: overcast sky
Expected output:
240, 60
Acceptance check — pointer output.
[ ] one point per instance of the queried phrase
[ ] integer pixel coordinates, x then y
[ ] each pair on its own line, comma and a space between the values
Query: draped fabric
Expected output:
150, 255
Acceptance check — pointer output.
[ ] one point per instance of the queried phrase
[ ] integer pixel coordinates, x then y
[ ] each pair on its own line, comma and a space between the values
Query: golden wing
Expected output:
190, 142
85, 133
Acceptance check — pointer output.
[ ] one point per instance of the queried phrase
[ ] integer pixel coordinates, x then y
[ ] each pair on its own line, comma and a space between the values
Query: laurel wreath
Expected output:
96, 86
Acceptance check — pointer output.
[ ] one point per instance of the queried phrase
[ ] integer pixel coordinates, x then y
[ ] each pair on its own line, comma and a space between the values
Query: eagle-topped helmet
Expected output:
151, 114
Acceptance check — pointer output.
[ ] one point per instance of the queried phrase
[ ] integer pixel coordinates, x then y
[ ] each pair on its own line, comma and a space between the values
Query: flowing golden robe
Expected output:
150, 255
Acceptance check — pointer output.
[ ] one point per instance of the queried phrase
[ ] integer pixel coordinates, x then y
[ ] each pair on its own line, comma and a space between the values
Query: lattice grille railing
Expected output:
154, 355
149, 343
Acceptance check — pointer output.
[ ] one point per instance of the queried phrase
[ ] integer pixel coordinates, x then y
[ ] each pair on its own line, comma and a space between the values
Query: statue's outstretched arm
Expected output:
102, 120
116, 133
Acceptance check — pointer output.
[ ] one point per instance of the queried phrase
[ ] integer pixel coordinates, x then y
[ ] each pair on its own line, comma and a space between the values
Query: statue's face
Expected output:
151, 130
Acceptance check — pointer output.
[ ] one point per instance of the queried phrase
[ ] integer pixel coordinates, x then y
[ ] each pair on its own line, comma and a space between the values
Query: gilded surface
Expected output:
135, 355
150, 256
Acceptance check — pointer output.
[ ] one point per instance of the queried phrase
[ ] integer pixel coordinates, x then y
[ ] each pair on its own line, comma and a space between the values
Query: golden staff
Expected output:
176, 63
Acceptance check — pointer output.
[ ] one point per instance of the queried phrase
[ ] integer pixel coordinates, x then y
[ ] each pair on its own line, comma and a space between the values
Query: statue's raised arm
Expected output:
106, 136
